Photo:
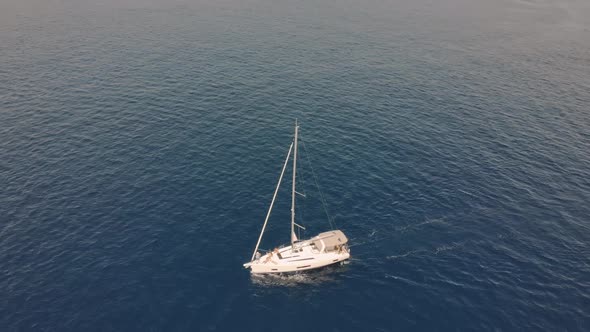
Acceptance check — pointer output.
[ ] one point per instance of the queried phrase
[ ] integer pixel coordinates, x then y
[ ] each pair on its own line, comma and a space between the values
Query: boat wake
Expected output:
313, 277
420, 224
371, 238
435, 251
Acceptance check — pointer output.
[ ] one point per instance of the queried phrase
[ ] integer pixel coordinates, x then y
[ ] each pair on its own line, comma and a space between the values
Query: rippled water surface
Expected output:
140, 142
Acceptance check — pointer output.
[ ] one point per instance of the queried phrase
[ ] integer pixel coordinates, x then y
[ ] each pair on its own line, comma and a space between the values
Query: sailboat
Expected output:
324, 249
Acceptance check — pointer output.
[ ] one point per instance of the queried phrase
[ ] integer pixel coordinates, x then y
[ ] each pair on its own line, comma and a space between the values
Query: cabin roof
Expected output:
330, 239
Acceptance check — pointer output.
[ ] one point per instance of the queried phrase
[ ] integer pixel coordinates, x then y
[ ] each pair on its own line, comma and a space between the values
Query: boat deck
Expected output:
303, 256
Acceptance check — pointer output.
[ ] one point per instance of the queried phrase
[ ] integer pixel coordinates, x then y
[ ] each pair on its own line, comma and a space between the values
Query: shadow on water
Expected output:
328, 274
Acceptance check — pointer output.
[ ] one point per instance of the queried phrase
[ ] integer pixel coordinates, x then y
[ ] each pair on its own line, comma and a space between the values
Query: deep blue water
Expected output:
141, 140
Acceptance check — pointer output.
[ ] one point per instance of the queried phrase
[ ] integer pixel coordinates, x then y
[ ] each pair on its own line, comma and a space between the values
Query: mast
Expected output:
293, 190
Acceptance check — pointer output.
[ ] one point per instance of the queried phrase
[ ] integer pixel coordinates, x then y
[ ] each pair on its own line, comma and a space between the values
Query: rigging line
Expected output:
301, 184
301, 179
315, 179
273, 201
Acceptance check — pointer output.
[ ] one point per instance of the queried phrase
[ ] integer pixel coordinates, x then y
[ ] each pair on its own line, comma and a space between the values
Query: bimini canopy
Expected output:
330, 241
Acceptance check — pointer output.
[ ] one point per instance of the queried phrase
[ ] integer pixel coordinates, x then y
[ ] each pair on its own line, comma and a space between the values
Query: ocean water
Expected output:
141, 140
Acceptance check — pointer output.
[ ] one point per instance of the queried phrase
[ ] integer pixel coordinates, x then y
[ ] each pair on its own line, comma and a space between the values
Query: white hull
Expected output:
304, 255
